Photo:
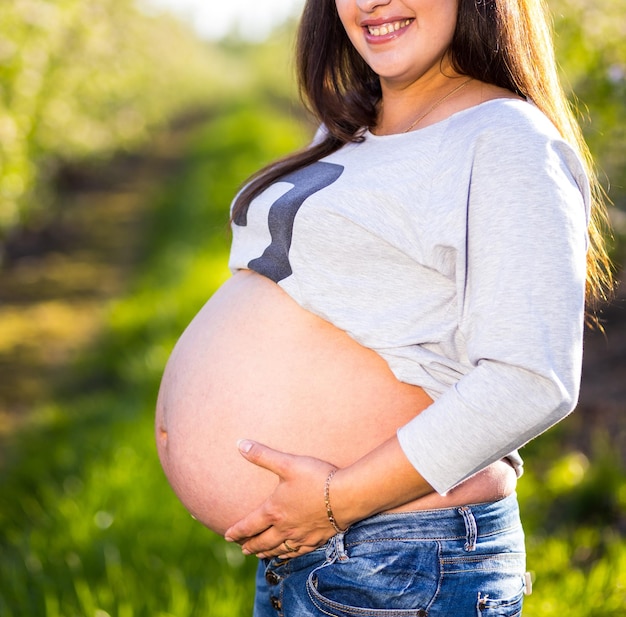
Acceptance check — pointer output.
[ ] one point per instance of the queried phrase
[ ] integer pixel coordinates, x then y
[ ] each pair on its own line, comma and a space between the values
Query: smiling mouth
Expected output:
390, 28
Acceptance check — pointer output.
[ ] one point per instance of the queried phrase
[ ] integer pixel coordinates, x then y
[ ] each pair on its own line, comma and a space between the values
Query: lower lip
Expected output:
385, 38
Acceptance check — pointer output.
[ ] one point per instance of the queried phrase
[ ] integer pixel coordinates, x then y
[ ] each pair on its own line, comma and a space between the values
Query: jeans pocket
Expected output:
491, 585
488, 606
380, 579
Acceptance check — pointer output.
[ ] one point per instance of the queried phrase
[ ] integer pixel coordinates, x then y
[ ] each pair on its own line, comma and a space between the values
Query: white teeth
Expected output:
388, 28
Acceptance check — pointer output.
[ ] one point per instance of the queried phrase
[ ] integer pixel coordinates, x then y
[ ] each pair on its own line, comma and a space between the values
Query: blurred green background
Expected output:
123, 138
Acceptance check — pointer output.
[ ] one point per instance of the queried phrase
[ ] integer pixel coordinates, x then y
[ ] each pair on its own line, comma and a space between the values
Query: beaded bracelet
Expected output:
329, 510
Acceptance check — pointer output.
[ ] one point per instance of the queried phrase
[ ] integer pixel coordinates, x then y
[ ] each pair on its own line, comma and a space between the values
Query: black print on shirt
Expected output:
274, 262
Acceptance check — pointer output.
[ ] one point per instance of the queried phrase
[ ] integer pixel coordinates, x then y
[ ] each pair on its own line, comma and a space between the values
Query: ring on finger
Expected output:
291, 549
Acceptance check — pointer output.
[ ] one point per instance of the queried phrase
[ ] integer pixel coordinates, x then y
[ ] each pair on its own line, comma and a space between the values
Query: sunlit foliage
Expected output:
85, 78
590, 47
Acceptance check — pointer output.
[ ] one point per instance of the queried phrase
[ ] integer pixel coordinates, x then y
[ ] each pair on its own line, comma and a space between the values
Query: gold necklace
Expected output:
436, 104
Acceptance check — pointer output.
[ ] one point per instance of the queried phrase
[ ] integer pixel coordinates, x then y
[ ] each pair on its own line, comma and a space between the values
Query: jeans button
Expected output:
272, 578
422, 613
276, 603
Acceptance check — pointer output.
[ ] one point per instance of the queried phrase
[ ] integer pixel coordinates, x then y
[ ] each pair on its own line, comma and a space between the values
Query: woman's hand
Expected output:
295, 512
292, 520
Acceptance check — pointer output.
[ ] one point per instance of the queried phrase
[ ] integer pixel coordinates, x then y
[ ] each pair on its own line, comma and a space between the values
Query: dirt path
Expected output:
57, 283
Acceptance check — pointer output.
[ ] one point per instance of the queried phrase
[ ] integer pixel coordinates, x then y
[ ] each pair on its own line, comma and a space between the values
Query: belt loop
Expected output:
336, 549
471, 530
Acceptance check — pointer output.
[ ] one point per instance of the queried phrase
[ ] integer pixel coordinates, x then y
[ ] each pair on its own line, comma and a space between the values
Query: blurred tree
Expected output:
590, 47
85, 78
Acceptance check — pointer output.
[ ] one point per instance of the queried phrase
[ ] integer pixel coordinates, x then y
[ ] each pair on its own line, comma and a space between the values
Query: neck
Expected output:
419, 104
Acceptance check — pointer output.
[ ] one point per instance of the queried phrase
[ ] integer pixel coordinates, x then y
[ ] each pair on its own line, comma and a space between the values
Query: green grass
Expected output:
88, 524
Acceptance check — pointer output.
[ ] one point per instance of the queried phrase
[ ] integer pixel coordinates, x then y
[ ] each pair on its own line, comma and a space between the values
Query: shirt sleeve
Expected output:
521, 286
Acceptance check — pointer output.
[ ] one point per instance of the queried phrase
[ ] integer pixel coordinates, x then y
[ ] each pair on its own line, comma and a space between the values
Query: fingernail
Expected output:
245, 551
228, 539
244, 445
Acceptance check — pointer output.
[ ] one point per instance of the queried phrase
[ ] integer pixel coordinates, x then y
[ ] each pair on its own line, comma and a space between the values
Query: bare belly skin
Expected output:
253, 364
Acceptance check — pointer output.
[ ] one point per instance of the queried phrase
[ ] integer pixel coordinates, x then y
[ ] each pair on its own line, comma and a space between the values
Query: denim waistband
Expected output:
442, 524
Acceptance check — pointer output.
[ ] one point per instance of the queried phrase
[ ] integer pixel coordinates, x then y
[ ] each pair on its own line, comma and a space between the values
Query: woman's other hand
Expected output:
292, 520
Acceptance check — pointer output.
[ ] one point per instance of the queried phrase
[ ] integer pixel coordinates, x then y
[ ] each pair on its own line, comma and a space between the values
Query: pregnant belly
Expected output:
253, 364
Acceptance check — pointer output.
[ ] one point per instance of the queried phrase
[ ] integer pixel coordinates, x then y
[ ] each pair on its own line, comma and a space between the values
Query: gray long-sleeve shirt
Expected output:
456, 252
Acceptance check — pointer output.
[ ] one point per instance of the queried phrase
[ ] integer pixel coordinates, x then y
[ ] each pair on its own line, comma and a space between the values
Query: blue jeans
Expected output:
453, 562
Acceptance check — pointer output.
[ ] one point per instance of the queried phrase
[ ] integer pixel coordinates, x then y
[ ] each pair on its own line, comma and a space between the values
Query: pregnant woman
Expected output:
406, 310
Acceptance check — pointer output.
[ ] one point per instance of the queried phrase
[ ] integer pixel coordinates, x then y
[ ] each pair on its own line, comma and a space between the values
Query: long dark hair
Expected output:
507, 43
